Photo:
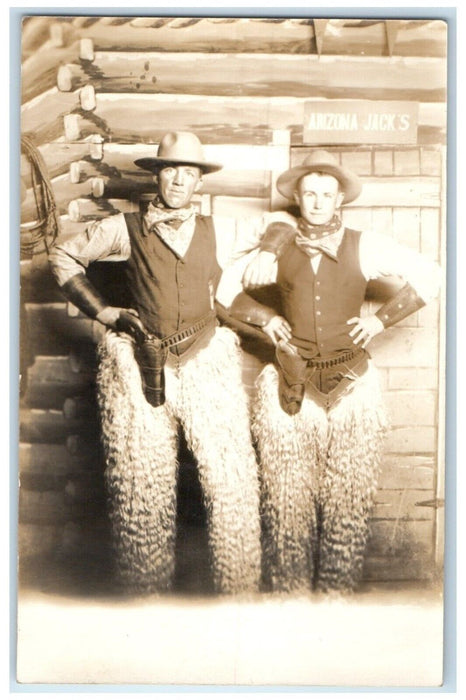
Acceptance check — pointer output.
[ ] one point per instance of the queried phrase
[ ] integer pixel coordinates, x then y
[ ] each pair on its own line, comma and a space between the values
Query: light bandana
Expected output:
174, 226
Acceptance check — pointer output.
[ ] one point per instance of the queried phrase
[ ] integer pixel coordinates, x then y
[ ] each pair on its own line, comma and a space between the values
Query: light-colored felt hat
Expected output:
178, 148
323, 162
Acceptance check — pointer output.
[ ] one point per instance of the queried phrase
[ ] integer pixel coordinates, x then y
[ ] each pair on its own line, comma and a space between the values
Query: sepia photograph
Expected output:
233, 241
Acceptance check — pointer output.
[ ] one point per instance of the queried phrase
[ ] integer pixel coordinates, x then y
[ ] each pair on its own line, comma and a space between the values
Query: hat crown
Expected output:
320, 157
180, 146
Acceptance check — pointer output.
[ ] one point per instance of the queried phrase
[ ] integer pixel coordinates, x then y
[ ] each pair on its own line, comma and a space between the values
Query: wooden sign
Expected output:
360, 121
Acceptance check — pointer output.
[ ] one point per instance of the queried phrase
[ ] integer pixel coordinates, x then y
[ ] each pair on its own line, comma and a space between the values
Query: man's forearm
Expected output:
276, 237
246, 309
80, 292
404, 303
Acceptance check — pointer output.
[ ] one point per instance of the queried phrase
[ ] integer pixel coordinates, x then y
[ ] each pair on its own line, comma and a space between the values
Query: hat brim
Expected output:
156, 164
350, 183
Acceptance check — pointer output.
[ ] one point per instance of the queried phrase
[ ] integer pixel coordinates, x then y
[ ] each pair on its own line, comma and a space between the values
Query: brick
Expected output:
403, 504
382, 220
406, 226
383, 163
430, 232
431, 162
406, 162
411, 408
408, 322
383, 377
359, 218
405, 191
405, 347
397, 569
412, 378
429, 315
239, 206
412, 439
401, 537
358, 161
407, 471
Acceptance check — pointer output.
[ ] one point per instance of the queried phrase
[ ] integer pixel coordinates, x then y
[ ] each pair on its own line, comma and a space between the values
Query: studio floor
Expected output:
72, 629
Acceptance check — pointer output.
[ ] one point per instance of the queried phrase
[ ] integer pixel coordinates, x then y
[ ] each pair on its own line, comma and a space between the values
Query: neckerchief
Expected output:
174, 226
314, 240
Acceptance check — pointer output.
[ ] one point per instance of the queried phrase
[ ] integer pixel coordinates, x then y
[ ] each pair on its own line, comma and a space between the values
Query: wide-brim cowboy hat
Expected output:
323, 162
178, 148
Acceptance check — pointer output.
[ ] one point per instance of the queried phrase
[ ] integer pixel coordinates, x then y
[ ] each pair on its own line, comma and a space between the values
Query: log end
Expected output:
97, 187
64, 79
75, 172
86, 49
74, 210
96, 147
87, 98
71, 123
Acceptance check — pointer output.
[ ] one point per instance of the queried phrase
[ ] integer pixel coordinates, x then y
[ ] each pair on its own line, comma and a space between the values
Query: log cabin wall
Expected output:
98, 92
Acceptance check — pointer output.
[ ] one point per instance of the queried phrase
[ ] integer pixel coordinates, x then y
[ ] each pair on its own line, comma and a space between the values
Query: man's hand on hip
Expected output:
277, 329
365, 329
123, 321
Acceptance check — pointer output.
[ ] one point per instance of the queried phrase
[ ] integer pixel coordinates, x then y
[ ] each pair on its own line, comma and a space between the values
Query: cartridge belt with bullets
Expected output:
151, 355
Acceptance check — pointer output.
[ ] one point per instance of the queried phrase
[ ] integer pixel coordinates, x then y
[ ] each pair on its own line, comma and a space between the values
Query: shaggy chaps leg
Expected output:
356, 429
318, 479
140, 445
212, 407
290, 451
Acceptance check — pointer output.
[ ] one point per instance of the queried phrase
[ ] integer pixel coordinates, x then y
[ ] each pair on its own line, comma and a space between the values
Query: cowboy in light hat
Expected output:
164, 362
322, 162
318, 417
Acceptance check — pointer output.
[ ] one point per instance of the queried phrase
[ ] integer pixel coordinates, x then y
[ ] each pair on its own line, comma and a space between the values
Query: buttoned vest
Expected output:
317, 305
170, 292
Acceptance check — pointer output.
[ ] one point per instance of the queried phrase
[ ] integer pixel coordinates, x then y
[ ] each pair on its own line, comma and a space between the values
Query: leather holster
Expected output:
293, 371
151, 357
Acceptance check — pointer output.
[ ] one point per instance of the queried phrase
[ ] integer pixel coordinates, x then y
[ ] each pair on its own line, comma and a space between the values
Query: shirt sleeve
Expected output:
381, 256
104, 240
237, 244
237, 237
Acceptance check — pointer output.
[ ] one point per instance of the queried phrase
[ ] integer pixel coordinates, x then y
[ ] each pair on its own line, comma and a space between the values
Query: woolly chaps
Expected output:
205, 395
318, 475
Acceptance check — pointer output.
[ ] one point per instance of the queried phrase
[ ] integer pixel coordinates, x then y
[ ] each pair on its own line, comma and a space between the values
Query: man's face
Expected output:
318, 196
177, 184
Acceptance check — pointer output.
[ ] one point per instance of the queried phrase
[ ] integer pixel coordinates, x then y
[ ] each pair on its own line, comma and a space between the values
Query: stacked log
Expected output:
376, 37
143, 118
279, 75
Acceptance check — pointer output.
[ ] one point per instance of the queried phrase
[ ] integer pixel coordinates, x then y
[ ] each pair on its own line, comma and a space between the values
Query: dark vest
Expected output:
170, 292
317, 306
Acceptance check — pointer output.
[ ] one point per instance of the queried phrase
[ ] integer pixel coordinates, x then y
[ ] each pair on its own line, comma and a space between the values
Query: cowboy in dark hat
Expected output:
164, 362
318, 417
